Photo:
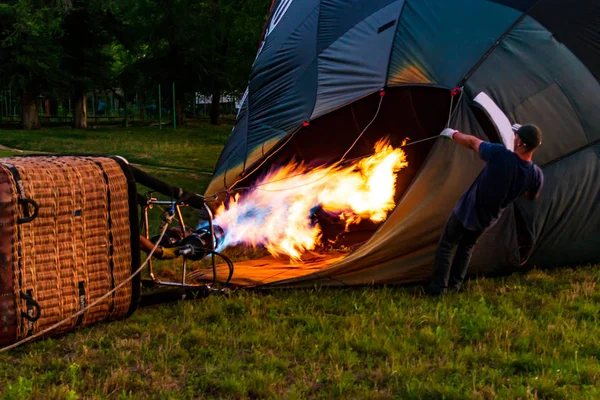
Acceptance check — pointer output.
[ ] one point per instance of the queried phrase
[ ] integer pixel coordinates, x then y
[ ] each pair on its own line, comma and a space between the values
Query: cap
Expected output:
531, 135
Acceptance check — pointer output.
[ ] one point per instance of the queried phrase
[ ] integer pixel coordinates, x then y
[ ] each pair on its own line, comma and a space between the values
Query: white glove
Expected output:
448, 133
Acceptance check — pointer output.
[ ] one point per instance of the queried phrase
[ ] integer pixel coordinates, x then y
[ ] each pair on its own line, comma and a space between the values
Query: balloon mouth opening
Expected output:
294, 208
412, 113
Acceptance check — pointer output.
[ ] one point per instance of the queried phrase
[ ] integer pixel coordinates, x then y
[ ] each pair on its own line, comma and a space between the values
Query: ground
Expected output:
529, 335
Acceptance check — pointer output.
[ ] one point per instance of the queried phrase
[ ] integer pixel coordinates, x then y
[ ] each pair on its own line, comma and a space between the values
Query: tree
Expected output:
67, 48
231, 43
161, 42
90, 30
29, 53
205, 46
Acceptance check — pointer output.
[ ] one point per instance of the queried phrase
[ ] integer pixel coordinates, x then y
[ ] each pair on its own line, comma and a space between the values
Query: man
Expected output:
162, 253
194, 246
506, 176
169, 248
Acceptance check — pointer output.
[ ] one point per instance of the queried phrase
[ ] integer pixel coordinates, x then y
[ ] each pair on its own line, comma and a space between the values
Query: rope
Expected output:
450, 111
339, 162
257, 167
382, 95
453, 94
451, 114
80, 312
333, 166
257, 186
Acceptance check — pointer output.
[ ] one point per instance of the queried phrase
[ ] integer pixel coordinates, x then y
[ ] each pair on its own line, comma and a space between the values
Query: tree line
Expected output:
65, 49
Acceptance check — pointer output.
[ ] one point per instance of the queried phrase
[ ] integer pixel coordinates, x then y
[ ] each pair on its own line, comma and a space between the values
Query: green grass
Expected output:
529, 335
194, 149
6, 153
525, 336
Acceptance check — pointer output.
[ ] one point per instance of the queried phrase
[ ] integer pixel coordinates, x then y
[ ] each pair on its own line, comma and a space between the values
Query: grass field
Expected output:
530, 335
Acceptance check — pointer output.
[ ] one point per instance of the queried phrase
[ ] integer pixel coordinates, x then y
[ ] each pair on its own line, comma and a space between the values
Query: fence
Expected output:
116, 106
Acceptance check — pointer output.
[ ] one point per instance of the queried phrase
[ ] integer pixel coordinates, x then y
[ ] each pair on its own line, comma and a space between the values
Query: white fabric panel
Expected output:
498, 118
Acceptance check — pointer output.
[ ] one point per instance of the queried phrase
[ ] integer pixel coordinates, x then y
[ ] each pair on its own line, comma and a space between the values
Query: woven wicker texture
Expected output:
8, 223
79, 246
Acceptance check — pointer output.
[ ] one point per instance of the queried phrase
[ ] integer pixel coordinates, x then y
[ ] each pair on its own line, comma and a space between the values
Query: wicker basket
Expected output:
68, 235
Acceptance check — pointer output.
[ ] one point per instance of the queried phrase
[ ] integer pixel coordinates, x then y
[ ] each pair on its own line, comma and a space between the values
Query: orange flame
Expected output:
277, 212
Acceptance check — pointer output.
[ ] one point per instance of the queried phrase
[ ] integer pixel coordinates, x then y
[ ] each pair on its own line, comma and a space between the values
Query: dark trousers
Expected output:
449, 273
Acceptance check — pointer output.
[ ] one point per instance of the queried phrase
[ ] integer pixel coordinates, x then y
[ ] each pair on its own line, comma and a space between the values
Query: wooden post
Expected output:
125, 122
174, 110
159, 108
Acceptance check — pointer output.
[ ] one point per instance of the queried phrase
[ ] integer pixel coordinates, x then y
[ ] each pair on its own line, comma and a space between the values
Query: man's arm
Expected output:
538, 181
147, 246
162, 253
468, 141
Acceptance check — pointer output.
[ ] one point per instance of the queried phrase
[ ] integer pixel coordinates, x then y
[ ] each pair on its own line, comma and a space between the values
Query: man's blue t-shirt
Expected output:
504, 178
